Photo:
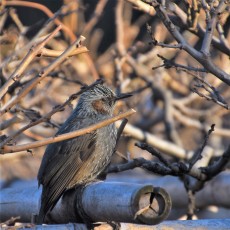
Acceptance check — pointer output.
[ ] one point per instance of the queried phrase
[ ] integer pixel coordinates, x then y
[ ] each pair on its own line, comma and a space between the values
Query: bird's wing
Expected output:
58, 155
60, 163
64, 156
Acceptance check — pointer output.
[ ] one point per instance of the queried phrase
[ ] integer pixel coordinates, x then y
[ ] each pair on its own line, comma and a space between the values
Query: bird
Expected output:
79, 160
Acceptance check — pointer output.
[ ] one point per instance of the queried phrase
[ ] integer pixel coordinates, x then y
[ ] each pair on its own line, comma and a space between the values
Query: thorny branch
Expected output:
197, 155
164, 167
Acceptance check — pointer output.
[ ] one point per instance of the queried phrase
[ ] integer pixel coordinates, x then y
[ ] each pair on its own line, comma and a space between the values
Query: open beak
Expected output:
122, 96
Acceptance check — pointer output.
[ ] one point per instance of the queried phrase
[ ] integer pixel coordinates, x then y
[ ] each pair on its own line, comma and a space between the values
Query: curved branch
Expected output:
36, 144
45, 10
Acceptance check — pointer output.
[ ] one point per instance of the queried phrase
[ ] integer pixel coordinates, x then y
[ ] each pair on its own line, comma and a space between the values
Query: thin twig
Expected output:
170, 64
197, 154
44, 52
154, 152
226, 106
33, 52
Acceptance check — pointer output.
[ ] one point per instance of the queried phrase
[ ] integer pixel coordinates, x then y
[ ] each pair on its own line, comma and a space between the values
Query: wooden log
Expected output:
98, 202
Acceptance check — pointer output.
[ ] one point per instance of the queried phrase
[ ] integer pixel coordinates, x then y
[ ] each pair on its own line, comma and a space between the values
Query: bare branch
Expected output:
197, 154
199, 56
33, 52
217, 166
39, 77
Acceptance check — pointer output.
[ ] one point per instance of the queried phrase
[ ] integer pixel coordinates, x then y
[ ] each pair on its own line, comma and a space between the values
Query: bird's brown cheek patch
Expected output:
98, 105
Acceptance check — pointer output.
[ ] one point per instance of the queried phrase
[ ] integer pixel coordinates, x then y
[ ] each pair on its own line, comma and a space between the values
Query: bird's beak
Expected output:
122, 96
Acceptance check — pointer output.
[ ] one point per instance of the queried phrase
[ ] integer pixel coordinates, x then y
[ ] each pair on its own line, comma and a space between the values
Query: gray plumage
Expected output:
79, 160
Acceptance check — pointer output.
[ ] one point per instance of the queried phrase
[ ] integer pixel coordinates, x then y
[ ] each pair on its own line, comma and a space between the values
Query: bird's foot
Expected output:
114, 225
91, 226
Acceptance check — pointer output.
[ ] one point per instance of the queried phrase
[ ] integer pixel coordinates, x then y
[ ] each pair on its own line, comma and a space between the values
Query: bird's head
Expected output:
100, 100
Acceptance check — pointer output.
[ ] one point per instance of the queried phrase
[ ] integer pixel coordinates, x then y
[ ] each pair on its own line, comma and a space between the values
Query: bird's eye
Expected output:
107, 101
110, 103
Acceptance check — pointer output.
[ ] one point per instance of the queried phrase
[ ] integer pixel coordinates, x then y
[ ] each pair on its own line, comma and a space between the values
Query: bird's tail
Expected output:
43, 208
40, 217
47, 204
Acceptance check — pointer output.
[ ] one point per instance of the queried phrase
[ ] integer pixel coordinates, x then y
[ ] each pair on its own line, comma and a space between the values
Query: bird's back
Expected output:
105, 141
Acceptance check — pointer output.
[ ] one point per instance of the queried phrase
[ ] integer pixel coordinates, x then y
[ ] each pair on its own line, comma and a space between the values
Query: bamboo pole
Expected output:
99, 201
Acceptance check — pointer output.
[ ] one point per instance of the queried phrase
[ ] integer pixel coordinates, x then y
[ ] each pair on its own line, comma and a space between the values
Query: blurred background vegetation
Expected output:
124, 51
